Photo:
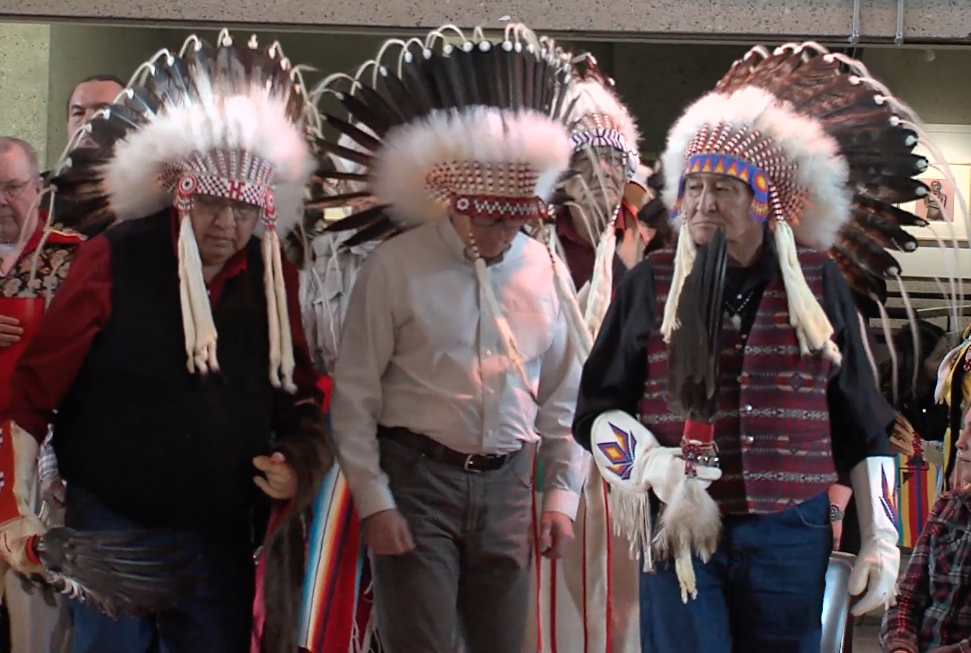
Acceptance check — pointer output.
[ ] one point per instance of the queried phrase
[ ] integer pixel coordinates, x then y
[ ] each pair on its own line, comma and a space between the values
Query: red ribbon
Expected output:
31, 549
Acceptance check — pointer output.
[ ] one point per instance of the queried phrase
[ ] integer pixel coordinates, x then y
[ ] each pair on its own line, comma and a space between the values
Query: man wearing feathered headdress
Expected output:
708, 397
171, 363
455, 359
592, 223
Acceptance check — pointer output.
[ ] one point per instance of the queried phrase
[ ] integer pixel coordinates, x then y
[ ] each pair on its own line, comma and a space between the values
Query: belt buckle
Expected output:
467, 466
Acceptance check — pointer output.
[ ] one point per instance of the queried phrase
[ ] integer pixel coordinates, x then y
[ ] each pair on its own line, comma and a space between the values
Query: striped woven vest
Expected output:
772, 426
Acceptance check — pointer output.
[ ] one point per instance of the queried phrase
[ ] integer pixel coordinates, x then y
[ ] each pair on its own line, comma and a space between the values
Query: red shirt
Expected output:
82, 307
24, 301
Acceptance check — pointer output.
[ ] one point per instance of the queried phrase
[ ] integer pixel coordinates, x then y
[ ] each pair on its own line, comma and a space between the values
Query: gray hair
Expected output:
7, 143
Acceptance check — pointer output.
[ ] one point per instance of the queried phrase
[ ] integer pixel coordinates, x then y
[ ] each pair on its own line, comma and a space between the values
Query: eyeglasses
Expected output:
242, 212
13, 188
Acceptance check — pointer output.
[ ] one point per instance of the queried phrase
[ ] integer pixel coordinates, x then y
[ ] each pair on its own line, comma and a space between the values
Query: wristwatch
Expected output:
835, 513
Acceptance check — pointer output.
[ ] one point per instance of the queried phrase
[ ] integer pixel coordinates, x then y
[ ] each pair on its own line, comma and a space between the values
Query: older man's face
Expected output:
20, 185
86, 100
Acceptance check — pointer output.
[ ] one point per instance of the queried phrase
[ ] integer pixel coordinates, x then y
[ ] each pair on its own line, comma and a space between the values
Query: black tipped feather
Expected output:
477, 73
876, 145
694, 350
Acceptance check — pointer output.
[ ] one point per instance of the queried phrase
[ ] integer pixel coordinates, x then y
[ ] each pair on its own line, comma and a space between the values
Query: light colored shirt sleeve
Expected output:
563, 459
309, 296
365, 352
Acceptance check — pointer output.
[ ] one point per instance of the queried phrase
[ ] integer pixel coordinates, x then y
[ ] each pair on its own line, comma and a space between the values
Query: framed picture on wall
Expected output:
942, 208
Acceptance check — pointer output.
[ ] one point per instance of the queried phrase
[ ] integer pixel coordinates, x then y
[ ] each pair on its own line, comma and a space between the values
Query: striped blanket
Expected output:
336, 608
336, 603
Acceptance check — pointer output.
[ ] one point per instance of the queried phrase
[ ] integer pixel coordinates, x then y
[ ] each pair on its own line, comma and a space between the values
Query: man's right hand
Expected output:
387, 533
10, 331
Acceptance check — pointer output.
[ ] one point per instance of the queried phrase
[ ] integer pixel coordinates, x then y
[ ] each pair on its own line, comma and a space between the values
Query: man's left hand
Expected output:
280, 482
555, 534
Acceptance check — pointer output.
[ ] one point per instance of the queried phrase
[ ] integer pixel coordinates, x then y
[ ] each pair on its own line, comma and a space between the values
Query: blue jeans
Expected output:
762, 591
217, 619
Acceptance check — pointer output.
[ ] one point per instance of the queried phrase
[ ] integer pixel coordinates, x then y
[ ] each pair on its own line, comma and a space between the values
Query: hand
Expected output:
387, 533
10, 331
15, 537
874, 572
280, 481
555, 534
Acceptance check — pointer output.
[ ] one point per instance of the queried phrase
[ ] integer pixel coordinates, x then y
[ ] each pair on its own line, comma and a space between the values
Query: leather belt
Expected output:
473, 463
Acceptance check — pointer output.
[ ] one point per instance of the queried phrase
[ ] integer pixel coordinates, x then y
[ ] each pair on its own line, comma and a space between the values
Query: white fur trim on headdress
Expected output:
479, 134
599, 107
820, 169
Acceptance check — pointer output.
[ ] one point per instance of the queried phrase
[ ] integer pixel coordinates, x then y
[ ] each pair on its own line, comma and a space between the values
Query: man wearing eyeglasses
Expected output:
32, 265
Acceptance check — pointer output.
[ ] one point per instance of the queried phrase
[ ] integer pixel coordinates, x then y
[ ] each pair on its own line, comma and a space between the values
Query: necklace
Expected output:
734, 309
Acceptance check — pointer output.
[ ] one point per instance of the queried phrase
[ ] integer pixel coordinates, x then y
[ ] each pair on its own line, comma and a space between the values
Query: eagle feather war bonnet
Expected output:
224, 121
828, 153
455, 124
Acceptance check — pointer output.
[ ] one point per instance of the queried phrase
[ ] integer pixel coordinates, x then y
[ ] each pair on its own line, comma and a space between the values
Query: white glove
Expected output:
878, 563
663, 472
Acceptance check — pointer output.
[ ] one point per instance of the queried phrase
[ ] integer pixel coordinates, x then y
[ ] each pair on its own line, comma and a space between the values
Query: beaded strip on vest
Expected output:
772, 427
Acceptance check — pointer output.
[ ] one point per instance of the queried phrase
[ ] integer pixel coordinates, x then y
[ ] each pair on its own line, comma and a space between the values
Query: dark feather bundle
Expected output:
120, 572
878, 149
200, 70
518, 74
694, 351
306, 445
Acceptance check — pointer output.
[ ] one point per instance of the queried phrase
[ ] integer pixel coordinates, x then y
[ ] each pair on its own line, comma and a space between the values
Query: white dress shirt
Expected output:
421, 351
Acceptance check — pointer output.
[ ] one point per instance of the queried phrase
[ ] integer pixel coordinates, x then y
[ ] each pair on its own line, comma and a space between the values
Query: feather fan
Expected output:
119, 572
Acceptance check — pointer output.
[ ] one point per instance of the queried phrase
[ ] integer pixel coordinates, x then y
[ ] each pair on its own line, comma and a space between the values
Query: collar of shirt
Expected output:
759, 273
458, 249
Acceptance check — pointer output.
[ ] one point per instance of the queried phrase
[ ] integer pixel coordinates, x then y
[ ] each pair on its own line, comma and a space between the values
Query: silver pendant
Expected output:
737, 321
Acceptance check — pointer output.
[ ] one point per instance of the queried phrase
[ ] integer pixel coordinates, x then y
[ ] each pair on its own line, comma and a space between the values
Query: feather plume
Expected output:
693, 350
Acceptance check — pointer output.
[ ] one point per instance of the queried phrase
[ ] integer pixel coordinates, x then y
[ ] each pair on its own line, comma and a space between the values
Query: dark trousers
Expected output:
217, 619
762, 591
470, 566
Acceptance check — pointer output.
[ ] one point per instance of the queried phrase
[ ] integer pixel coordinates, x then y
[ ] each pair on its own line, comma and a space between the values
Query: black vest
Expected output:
156, 444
